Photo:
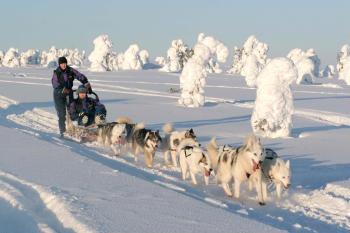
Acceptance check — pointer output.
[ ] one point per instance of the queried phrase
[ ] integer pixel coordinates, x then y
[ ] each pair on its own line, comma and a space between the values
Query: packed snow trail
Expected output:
39, 205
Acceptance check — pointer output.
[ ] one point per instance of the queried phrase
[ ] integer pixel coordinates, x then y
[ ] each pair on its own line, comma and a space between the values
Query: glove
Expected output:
88, 86
81, 114
100, 119
84, 120
66, 91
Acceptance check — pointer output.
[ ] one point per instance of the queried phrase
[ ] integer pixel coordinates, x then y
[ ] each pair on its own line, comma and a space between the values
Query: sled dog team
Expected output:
250, 162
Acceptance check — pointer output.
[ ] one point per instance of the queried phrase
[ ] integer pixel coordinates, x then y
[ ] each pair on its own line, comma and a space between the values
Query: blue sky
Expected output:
323, 25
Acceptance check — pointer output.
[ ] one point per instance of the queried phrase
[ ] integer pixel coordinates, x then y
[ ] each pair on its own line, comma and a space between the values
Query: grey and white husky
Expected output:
276, 170
172, 140
237, 165
144, 141
115, 134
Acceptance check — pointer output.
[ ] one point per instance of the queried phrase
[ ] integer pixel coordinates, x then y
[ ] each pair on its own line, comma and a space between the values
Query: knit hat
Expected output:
62, 60
82, 89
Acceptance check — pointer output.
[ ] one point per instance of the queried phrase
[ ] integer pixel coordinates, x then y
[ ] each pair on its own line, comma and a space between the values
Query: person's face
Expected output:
63, 66
82, 95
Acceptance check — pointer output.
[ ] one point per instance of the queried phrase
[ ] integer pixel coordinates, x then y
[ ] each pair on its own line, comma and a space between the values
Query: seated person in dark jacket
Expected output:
86, 110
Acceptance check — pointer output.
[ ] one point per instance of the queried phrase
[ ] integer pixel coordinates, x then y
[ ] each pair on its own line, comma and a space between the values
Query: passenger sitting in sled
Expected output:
85, 110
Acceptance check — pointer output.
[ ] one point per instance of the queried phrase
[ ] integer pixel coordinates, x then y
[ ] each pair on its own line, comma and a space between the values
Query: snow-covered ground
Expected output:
53, 185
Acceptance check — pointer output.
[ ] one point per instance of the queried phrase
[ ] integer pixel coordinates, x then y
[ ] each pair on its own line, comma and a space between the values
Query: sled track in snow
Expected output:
36, 204
38, 122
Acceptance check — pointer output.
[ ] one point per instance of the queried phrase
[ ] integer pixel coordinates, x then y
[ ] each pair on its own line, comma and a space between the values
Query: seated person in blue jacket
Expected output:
86, 110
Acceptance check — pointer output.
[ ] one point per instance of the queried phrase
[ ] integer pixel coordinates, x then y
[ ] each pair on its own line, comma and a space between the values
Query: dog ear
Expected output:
288, 164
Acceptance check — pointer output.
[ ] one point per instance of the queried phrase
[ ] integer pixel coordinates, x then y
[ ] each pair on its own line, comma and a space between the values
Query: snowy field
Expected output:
53, 185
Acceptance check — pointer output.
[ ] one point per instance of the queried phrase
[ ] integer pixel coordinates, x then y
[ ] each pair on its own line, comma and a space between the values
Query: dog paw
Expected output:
262, 203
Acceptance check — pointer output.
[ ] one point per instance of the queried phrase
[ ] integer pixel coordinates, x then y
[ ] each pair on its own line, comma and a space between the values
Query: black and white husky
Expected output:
275, 170
193, 160
115, 134
172, 140
237, 165
144, 141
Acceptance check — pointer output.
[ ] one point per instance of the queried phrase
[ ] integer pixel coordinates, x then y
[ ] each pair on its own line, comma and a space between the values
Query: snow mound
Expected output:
6, 102
330, 204
38, 119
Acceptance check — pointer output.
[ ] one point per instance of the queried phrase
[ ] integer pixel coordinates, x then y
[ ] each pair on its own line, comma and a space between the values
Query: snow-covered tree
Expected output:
101, 54
193, 76
342, 56
272, 114
249, 60
144, 56
11, 58
30, 57
344, 73
52, 58
160, 61
328, 72
2, 54
177, 55
307, 63
132, 59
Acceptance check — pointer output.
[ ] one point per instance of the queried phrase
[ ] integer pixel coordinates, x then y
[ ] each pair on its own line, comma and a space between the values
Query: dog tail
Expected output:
213, 152
138, 126
124, 120
168, 128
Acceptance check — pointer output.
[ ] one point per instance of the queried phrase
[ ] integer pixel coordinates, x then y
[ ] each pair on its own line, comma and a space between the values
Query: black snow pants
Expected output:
62, 101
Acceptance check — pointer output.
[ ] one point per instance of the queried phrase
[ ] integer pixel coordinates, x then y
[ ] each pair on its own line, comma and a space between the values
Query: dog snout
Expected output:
287, 186
260, 162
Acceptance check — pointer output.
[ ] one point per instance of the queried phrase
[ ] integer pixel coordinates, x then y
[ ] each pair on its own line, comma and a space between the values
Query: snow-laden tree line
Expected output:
103, 58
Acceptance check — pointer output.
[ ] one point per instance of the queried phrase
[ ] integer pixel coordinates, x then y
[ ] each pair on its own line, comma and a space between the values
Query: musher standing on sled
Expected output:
62, 83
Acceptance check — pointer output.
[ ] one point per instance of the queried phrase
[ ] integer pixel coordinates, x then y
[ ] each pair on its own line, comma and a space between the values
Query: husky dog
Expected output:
144, 141
193, 160
275, 170
238, 164
115, 134
172, 140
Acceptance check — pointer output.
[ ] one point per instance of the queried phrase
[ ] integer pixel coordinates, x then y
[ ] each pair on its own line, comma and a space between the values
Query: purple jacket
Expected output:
65, 78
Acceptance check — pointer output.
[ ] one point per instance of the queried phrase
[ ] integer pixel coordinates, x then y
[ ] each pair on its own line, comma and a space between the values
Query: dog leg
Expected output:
227, 189
148, 159
184, 167
193, 177
206, 180
264, 189
258, 187
279, 190
237, 185
250, 184
166, 157
174, 158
